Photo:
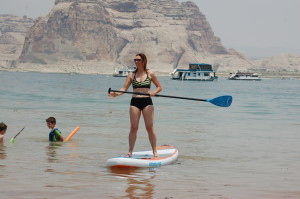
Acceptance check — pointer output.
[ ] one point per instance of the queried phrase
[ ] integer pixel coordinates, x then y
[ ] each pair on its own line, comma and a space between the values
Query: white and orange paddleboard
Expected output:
167, 155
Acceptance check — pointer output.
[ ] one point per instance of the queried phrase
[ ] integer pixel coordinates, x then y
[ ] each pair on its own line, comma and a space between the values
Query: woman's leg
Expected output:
135, 115
148, 114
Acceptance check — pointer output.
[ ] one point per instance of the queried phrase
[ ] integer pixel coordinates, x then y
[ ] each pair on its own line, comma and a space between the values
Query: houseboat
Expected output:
122, 72
244, 75
196, 71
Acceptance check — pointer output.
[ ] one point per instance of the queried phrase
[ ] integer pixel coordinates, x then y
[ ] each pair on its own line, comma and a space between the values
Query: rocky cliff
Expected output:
12, 33
169, 33
94, 36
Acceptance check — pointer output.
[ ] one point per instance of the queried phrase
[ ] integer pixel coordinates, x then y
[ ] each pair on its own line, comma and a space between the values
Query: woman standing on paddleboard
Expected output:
141, 80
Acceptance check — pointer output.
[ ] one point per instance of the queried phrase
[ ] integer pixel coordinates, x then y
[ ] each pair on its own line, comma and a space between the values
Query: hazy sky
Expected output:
254, 23
239, 23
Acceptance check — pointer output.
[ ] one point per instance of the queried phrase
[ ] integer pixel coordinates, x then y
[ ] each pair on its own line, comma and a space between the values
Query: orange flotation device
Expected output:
73, 133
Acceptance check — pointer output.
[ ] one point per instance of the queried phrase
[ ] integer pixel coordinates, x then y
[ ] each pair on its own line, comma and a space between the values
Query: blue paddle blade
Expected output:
223, 101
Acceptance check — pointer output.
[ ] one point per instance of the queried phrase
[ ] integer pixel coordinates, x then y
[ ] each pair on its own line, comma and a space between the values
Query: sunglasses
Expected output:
137, 60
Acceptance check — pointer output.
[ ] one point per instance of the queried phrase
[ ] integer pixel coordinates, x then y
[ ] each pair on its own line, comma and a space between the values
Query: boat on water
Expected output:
244, 75
196, 71
122, 72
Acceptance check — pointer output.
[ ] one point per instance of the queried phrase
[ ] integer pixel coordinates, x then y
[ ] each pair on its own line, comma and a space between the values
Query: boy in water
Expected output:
55, 134
3, 128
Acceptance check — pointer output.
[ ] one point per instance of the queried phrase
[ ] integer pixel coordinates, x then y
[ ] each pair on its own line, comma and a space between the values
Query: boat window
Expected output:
206, 74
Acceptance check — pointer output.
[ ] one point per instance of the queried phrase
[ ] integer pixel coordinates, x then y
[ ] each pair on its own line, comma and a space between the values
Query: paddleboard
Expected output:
167, 155
72, 133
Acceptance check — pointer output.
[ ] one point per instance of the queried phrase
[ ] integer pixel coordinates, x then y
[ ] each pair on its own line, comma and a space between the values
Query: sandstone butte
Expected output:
96, 36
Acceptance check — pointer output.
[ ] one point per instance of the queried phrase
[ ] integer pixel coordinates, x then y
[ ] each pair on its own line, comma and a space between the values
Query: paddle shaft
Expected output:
19, 132
157, 95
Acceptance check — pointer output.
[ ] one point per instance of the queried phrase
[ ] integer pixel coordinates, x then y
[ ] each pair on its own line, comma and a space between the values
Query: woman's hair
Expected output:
3, 126
52, 120
144, 61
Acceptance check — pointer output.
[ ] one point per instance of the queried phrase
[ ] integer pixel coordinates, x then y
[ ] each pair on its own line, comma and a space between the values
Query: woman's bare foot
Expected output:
155, 155
128, 155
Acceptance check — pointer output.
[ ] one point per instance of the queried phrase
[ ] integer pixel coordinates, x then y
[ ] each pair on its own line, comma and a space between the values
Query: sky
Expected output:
257, 28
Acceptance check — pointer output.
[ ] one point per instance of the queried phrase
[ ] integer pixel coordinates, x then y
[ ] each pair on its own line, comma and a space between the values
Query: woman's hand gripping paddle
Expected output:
12, 140
223, 101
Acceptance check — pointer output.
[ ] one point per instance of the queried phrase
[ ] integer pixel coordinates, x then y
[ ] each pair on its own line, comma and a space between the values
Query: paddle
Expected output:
12, 140
223, 101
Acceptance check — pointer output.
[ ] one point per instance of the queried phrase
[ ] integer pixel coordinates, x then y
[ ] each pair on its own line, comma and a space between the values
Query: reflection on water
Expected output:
72, 150
52, 151
2, 156
64, 154
2, 151
138, 182
69, 151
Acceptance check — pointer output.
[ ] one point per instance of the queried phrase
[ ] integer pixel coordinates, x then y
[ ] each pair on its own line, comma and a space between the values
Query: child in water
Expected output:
55, 134
3, 128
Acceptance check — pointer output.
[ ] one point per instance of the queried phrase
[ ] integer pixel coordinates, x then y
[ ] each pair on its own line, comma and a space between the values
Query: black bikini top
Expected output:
144, 84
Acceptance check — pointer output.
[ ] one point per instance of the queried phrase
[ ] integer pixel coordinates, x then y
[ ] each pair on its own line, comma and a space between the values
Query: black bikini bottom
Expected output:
141, 102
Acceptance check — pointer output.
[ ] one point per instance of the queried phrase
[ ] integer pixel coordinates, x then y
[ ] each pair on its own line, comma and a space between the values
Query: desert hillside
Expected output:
93, 36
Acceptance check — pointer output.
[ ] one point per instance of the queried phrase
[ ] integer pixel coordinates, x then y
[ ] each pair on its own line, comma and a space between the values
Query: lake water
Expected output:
248, 150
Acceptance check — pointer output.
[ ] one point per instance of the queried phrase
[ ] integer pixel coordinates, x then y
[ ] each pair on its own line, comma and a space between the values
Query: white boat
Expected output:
122, 72
167, 155
244, 75
196, 71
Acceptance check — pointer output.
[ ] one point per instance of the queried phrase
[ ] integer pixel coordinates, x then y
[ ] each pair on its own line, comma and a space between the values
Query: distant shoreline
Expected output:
269, 74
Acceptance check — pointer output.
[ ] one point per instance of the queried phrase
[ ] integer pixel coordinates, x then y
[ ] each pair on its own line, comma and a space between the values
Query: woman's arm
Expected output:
125, 86
156, 83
